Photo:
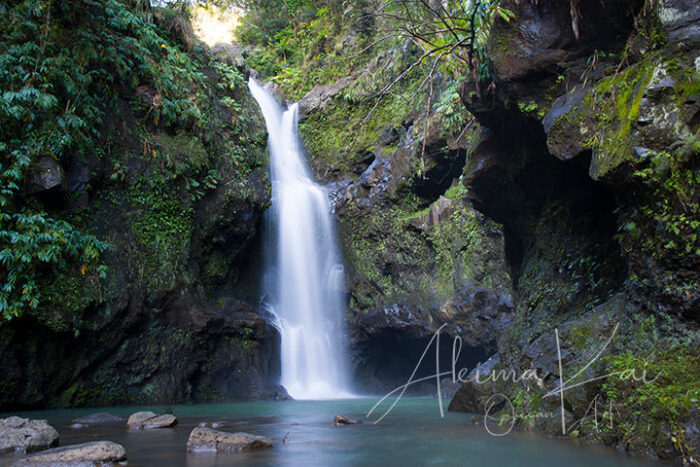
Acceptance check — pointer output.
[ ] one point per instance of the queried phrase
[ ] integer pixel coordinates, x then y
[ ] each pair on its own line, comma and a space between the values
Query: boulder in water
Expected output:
208, 440
96, 453
23, 434
345, 420
149, 420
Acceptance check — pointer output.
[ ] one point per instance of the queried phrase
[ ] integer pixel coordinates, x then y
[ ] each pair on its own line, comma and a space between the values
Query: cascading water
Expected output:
304, 277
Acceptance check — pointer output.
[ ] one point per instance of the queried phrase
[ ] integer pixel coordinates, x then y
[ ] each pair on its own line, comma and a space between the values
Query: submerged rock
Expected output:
345, 420
96, 453
99, 418
149, 420
23, 434
208, 440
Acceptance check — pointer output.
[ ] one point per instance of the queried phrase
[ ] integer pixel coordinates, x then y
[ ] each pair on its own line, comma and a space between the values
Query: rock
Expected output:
98, 418
138, 418
471, 396
320, 96
370, 185
478, 315
96, 453
439, 210
276, 90
448, 389
230, 54
351, 39
208, 440
394, 316
23, 434
161, 421
77, 182
681, 18
44, 174
531, 41
149, 420
344, 420
569, 141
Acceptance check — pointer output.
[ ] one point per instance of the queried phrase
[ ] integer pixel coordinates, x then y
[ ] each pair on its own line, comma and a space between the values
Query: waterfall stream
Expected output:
304, 273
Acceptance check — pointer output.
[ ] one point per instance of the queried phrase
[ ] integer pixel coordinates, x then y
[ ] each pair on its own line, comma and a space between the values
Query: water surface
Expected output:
412, 434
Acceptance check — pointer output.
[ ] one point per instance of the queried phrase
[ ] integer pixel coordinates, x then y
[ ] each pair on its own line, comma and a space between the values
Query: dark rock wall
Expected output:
588, 158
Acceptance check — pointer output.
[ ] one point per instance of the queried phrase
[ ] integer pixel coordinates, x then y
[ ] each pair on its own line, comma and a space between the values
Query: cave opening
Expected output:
387, 359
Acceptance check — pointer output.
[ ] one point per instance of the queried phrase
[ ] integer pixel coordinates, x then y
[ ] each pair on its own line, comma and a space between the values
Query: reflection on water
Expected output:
412, 434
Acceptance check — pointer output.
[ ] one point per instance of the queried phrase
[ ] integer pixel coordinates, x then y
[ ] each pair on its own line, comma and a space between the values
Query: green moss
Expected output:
398, 257
162, 224
620, 99
468, 248
341, 134
244, 342
667, 221
181, 152
687, 88
93, 395
581, 335
207, 394
667, 399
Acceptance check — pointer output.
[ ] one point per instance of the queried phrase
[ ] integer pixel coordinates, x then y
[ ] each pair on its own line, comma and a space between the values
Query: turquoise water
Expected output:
412, 434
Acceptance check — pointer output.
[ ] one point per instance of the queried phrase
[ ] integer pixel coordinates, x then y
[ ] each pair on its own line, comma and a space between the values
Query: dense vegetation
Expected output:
66, 68
132, 177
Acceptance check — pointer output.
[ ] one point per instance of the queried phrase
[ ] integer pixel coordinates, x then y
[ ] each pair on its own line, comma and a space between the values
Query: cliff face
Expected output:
576, 211
564, 198
417, 253
174, 180
588, 157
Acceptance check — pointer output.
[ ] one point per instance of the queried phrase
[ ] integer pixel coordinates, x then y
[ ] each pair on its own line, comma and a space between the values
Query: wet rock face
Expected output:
318, 98
544, 36
220, 355
388, 343
93, 454
411, 241
536, 39
566, 180
472, 395
25, 435
478, 316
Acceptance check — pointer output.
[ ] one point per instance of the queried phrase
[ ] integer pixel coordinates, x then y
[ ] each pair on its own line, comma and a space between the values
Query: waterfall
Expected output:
304, 272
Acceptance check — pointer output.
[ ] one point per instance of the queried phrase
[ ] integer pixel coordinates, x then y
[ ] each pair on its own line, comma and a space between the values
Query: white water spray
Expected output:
304, 278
